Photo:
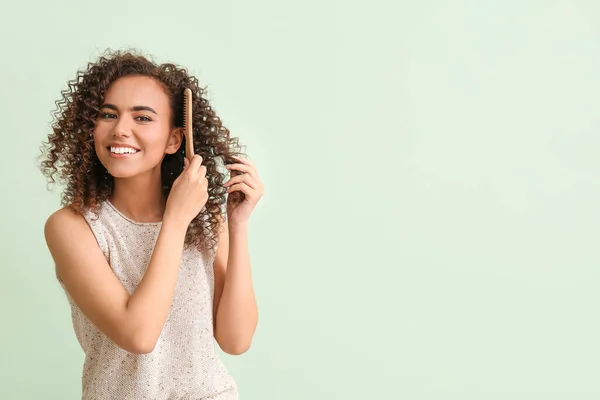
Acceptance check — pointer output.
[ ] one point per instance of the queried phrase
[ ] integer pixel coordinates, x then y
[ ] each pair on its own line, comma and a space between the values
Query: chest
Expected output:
129, 252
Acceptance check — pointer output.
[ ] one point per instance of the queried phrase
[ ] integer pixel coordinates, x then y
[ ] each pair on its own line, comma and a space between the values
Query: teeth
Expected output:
122, 150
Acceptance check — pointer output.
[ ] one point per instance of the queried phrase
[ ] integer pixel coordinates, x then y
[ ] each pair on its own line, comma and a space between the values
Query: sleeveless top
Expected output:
184, 365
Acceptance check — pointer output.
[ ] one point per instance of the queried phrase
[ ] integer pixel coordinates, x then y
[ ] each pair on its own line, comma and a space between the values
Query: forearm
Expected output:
237, 313
149, 305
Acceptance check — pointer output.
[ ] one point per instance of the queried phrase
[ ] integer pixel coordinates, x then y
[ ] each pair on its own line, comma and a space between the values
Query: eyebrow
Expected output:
135, 108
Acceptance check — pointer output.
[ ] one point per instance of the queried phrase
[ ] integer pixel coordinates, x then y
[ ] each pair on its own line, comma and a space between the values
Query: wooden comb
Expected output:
187, 124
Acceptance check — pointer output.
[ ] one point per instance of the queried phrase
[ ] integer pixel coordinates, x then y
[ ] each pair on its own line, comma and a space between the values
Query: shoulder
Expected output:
62, 219
65, 225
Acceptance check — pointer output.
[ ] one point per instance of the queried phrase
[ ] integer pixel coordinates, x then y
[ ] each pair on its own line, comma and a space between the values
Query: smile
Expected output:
122, 150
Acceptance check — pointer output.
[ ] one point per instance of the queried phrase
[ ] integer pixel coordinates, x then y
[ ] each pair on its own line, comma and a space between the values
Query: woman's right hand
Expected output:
189, 192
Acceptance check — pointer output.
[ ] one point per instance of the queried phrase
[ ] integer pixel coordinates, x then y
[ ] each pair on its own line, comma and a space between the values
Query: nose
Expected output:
122, 128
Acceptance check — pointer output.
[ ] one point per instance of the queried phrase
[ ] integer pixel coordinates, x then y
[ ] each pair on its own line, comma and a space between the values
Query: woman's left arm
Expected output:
235, 309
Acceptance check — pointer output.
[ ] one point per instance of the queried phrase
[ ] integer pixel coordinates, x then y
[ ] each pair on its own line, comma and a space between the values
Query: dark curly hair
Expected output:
70, 154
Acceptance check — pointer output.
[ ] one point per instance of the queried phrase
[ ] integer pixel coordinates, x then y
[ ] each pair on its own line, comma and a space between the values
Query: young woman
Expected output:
150, 248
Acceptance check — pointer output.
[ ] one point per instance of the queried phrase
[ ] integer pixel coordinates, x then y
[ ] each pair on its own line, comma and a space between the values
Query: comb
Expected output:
187, 124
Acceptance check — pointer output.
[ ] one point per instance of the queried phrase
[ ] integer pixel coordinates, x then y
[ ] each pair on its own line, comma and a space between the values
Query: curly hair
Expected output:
69, 152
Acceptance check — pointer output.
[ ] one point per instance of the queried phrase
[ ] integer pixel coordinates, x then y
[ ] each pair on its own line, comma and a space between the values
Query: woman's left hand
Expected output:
247, 182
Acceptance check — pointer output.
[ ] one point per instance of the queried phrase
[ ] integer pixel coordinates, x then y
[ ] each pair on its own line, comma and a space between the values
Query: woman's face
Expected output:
133, 130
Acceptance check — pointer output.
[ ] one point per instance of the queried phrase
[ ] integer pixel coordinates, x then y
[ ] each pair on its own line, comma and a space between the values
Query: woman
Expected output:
154, 267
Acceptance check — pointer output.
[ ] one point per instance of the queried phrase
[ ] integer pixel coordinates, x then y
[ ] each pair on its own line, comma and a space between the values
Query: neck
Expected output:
140, 198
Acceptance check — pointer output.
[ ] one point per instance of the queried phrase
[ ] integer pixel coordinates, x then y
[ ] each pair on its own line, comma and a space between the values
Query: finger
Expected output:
196, 162
245, 178
246, 169
245, 161
241, 187
186, 163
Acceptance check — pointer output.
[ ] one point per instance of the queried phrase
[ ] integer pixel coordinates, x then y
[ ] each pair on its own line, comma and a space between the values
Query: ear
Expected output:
175, 139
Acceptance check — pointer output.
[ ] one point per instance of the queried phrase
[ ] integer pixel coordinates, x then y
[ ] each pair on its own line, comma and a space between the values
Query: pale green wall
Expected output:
430, 224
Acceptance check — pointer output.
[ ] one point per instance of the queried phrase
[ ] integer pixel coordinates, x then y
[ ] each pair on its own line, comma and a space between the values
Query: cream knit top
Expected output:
184, 364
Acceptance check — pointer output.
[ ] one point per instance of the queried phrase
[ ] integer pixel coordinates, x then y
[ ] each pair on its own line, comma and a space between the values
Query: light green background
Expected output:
430, 223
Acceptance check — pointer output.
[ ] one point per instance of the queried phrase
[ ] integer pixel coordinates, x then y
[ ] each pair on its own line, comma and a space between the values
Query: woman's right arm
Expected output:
134, 322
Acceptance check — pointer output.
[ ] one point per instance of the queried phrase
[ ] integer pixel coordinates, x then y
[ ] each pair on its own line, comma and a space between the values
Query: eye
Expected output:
107, 115
143, 118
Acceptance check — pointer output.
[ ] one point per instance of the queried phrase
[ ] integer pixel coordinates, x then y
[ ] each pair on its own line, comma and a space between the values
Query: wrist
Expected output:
237, 226
175, 222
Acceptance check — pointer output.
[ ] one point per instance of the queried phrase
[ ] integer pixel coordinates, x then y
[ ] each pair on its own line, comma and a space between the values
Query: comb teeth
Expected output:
187, 107
187, 123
